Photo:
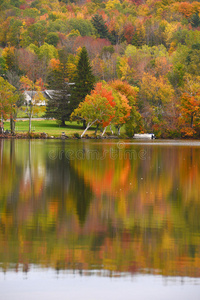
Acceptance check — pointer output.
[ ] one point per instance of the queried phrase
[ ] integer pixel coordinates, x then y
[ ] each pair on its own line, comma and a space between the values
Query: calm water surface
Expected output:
110, 220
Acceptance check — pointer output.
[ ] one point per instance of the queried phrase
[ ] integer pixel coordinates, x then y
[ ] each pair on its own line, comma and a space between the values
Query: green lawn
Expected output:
40, 111
50, 127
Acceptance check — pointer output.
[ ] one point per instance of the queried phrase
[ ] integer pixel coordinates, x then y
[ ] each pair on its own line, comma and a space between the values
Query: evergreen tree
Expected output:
195, 20
84, 80
102, 30
58, 105
100, 26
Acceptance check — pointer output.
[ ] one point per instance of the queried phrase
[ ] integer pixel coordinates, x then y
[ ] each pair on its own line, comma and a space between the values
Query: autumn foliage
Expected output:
190, 115
151, 46
98, 107
104, 106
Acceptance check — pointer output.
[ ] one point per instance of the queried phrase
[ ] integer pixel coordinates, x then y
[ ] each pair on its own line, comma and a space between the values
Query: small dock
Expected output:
149, 136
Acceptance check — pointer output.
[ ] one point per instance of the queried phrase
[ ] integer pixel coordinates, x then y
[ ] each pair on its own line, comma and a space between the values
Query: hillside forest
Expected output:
142, 62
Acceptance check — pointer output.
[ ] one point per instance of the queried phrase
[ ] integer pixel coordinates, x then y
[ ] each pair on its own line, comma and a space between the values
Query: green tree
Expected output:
100, 26
58, 106
52, 39
14, 79
15, 3
84, 80
195, 20
13, 35
47, 52
85, 27
3, 66
192, 61
38, 32
176, 75
8, 55
6, 100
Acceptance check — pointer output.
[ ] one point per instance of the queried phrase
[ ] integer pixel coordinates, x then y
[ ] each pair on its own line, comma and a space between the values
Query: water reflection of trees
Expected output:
120, 215
65, 182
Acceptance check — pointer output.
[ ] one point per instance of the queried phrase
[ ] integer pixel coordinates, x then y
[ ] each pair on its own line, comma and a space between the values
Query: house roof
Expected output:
46, 94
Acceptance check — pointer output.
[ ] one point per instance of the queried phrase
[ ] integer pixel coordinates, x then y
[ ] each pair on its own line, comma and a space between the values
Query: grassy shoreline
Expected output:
52, 129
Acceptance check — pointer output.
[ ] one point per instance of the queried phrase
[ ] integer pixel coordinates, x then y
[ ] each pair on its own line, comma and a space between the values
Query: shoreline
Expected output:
44, 136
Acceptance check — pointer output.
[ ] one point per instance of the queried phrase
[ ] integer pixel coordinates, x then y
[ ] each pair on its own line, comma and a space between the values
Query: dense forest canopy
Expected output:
153, 45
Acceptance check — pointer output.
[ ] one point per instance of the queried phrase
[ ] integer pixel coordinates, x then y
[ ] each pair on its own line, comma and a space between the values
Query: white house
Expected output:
47, 94
31, 95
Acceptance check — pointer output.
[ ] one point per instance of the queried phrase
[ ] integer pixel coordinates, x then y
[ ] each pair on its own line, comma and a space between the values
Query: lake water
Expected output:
104, 219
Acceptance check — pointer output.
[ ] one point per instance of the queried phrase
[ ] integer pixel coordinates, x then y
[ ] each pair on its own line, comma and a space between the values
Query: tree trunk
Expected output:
96, 129
192, 119
1, 127
118, 130
30, 111
29, 122
84, 124
88, 126
104, 131
85, 130
111, 129
12, 124
63, 123
1, 148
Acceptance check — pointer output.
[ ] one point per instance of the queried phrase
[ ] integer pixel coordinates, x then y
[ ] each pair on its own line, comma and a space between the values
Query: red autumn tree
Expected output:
128, 32
189, 114
97, 108
189, 108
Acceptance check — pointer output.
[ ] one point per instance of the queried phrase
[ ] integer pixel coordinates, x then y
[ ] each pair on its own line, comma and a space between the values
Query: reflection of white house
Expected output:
32, 95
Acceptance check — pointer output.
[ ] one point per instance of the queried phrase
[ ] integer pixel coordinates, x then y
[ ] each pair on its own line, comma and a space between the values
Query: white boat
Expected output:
150, 136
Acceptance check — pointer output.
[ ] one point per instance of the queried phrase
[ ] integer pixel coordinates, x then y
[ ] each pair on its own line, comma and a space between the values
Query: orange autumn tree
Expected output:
54, 64
190, 114
122, 107
189, 108
133, 123
97, 108
122, 110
